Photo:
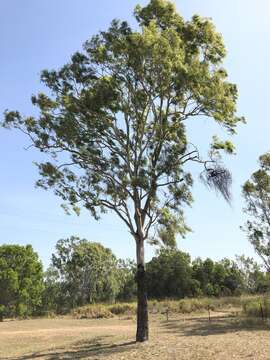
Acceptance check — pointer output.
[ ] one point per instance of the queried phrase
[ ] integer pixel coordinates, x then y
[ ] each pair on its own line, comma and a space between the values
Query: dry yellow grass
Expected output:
183, 337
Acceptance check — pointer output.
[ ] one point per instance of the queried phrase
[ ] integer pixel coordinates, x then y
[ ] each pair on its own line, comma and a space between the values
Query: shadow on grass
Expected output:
82, 350
217, 325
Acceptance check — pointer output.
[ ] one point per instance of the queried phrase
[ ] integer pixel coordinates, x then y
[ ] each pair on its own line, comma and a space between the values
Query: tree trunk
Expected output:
142, 307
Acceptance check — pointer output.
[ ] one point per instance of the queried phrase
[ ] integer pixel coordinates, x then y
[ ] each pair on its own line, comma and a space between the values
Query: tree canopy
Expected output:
21, 280
256, 192
84, 271
170, 273
114, 118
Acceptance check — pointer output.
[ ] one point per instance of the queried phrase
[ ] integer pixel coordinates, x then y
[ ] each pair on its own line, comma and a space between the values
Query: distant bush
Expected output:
123, 308
92, 312
257, 307
193, 305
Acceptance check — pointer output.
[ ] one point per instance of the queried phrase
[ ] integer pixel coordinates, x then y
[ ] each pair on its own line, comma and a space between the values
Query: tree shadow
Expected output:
82, 350
217, 325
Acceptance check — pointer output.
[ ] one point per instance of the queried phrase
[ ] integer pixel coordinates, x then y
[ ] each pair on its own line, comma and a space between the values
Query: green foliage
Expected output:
254, 279
54, 294
113, 119
218, 278
169, 274
82, 272
2, 312
227, 145
21, 281
126, 275
256, 192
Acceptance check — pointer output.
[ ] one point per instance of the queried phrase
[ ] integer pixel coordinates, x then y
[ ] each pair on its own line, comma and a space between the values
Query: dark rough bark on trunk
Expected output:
142, 307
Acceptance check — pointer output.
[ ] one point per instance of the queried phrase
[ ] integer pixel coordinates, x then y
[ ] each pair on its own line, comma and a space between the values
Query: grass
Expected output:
187, 335
257, 307
183, 306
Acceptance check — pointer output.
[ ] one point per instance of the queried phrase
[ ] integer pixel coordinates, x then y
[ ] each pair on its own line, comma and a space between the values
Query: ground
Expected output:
188, 337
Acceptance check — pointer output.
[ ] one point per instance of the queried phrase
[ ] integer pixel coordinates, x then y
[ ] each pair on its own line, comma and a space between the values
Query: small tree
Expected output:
86, 272
169, 274
53, 297
253, 277
256, 192
21, 281
114, 124
126, 274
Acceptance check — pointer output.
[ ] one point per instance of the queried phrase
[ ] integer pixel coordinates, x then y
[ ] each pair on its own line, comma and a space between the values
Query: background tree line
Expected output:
83, 272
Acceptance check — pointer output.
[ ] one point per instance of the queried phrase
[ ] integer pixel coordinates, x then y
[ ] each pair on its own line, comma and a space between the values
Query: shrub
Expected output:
22, 310
184, 307
50, 314
2, 312
257, 307
92, 312
123, 308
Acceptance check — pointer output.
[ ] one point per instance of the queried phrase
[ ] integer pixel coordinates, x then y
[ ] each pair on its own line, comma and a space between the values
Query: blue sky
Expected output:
43, 34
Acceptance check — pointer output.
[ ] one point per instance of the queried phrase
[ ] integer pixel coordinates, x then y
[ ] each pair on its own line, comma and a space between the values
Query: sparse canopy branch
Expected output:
256, 192
114, 120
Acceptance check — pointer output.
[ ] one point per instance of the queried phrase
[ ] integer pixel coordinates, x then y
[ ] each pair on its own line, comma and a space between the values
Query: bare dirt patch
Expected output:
188, 338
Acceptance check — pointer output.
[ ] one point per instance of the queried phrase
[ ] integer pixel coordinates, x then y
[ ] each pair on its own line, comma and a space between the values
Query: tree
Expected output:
169, 274
220, 278
127, 274
53, 297
203, 273
254, 280
114, 125
21, 280
256, 192
86, 272
232, 283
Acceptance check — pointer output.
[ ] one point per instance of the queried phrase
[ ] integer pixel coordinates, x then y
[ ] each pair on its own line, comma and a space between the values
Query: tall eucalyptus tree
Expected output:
113, 122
